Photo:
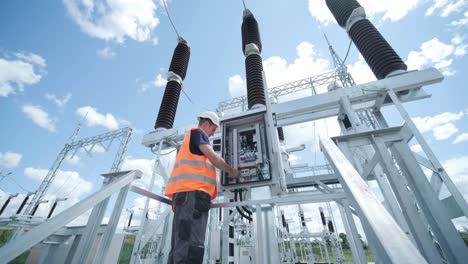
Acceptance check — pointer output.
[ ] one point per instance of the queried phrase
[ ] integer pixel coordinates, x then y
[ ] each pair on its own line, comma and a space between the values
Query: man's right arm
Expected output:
217, 161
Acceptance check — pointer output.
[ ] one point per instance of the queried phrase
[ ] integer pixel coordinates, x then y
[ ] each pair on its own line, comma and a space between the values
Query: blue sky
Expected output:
62, 59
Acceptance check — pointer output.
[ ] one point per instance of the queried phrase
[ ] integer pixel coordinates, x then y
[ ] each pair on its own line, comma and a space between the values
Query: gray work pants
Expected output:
189, 227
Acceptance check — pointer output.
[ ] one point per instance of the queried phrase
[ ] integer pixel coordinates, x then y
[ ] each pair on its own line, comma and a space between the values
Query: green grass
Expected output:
4, 236
347, 255
127, 247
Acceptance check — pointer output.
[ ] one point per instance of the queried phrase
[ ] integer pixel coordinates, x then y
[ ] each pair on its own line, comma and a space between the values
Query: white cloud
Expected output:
462, 21
160, 81
457, 169
460, 48
59, 102
146, 167
444, 131
440, 125
386, 10
115, 20
293, 158
15, 74
361, 72
32, 58
106, 53
428, 123
66, 184
446, 7
73, 161
155, 41
438, 54
417, 148
39, 116
237, 86
97, 149
461, 138
94, 118
9, 159
309, 133
278, 71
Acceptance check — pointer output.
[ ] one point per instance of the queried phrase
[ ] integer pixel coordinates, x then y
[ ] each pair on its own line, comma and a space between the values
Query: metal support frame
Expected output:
362, 105
416, 197
352, 233
371, 161
97, 214
266, 249
438, 169
434, 210
142, 232
361, 96
37, 234
407, 202
123, 133
395, 246
281, 90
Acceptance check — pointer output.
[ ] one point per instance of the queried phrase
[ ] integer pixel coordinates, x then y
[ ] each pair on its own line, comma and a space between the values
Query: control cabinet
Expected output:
244, 146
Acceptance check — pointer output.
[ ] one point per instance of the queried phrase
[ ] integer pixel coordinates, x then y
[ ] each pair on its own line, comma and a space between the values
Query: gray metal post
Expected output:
431, 156
390, 200
351, 233
407, 202
225, 239
395, 243
141, 232
266, 246
88, 238
111, 226
436, 214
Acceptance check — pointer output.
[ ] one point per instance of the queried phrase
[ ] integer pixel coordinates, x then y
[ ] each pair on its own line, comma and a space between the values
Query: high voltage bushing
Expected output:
330, 226
379, 55
175, 77
255, 85
252, 47
250, 32
303, 222
180, 59
322, 216
341, 10
168, 107
280, 133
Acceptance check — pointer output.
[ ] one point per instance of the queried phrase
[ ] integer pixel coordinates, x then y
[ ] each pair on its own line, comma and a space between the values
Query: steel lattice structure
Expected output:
88, 144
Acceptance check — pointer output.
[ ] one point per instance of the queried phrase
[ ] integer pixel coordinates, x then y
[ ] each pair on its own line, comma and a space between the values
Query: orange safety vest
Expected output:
191, 172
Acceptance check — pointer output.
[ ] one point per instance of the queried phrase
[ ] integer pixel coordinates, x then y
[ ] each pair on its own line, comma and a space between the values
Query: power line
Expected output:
19, 185
196, 104
73, 189
347, 53
169, 16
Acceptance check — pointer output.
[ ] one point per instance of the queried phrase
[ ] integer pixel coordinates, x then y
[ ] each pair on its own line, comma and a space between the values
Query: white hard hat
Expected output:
211, 116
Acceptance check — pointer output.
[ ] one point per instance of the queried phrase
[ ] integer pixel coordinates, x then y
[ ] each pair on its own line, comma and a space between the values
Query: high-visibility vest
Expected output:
191, 172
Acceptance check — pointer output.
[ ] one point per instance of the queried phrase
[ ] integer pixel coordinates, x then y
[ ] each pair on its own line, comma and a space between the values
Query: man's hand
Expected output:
233, 173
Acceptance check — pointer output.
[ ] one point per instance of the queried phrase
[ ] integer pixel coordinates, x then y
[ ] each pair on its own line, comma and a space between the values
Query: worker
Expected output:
192, 186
